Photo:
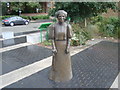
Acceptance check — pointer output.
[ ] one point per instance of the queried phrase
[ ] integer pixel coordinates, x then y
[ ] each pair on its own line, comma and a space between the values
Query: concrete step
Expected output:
13, 41
8, 35
30, 37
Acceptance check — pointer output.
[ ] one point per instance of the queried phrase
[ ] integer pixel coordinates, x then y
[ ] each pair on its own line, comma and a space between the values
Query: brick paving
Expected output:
95, 67
23, 56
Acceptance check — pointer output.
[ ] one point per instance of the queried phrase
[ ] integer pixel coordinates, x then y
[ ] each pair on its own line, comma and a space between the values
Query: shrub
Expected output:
40, 17
93, 30
96, 19
7, 16
47, 43
108, 27
28, 17
80, 36
75, 42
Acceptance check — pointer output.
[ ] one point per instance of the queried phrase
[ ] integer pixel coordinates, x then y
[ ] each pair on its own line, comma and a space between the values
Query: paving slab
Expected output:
95, 67
23, 56
23, 33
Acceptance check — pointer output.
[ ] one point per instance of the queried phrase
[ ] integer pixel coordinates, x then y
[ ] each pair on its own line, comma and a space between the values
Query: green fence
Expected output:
43, 27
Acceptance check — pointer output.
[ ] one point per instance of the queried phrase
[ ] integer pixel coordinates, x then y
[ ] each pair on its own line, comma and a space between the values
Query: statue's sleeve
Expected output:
70, 33
51, 32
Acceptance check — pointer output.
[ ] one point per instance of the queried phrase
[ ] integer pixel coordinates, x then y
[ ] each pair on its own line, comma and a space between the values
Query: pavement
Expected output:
26, 65
22, 29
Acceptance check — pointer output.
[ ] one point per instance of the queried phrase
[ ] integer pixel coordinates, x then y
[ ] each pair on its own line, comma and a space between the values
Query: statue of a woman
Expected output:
60, 33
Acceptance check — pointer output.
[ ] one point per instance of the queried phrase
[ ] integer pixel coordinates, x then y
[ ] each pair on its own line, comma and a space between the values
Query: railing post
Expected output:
40, 35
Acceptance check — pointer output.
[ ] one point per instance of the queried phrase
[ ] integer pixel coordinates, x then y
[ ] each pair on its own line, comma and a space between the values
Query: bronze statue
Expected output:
60, 33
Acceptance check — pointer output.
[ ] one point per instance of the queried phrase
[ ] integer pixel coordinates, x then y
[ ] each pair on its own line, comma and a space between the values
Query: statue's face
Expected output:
61, 17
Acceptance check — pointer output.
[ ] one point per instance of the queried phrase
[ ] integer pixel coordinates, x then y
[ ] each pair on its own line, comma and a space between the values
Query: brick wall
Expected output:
34, 14
110, 13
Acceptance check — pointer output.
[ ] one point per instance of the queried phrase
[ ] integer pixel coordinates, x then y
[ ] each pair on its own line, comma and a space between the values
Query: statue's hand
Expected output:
67, 51
54, 51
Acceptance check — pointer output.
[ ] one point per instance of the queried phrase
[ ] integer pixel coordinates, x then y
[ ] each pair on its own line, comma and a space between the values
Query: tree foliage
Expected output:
5, 8
25, 7
80, 10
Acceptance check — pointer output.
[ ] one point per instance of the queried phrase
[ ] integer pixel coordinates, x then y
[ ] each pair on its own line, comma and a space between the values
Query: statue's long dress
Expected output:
61, 64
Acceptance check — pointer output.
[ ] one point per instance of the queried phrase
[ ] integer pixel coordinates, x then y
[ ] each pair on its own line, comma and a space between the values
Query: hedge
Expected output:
28, 17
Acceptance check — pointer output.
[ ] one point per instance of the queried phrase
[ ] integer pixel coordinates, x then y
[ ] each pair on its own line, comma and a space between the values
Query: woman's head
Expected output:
61, 15
61, 12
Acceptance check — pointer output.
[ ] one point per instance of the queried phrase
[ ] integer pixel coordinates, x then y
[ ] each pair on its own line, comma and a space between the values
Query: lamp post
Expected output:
8, 7
8, 4
37, 10
19, 11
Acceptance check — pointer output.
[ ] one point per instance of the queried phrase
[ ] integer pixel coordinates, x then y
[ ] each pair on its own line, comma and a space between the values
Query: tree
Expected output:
80, 10
25, 7
31, 6
5, 8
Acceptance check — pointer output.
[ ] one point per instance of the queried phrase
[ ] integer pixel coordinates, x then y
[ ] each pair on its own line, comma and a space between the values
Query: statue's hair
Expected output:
61, 11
